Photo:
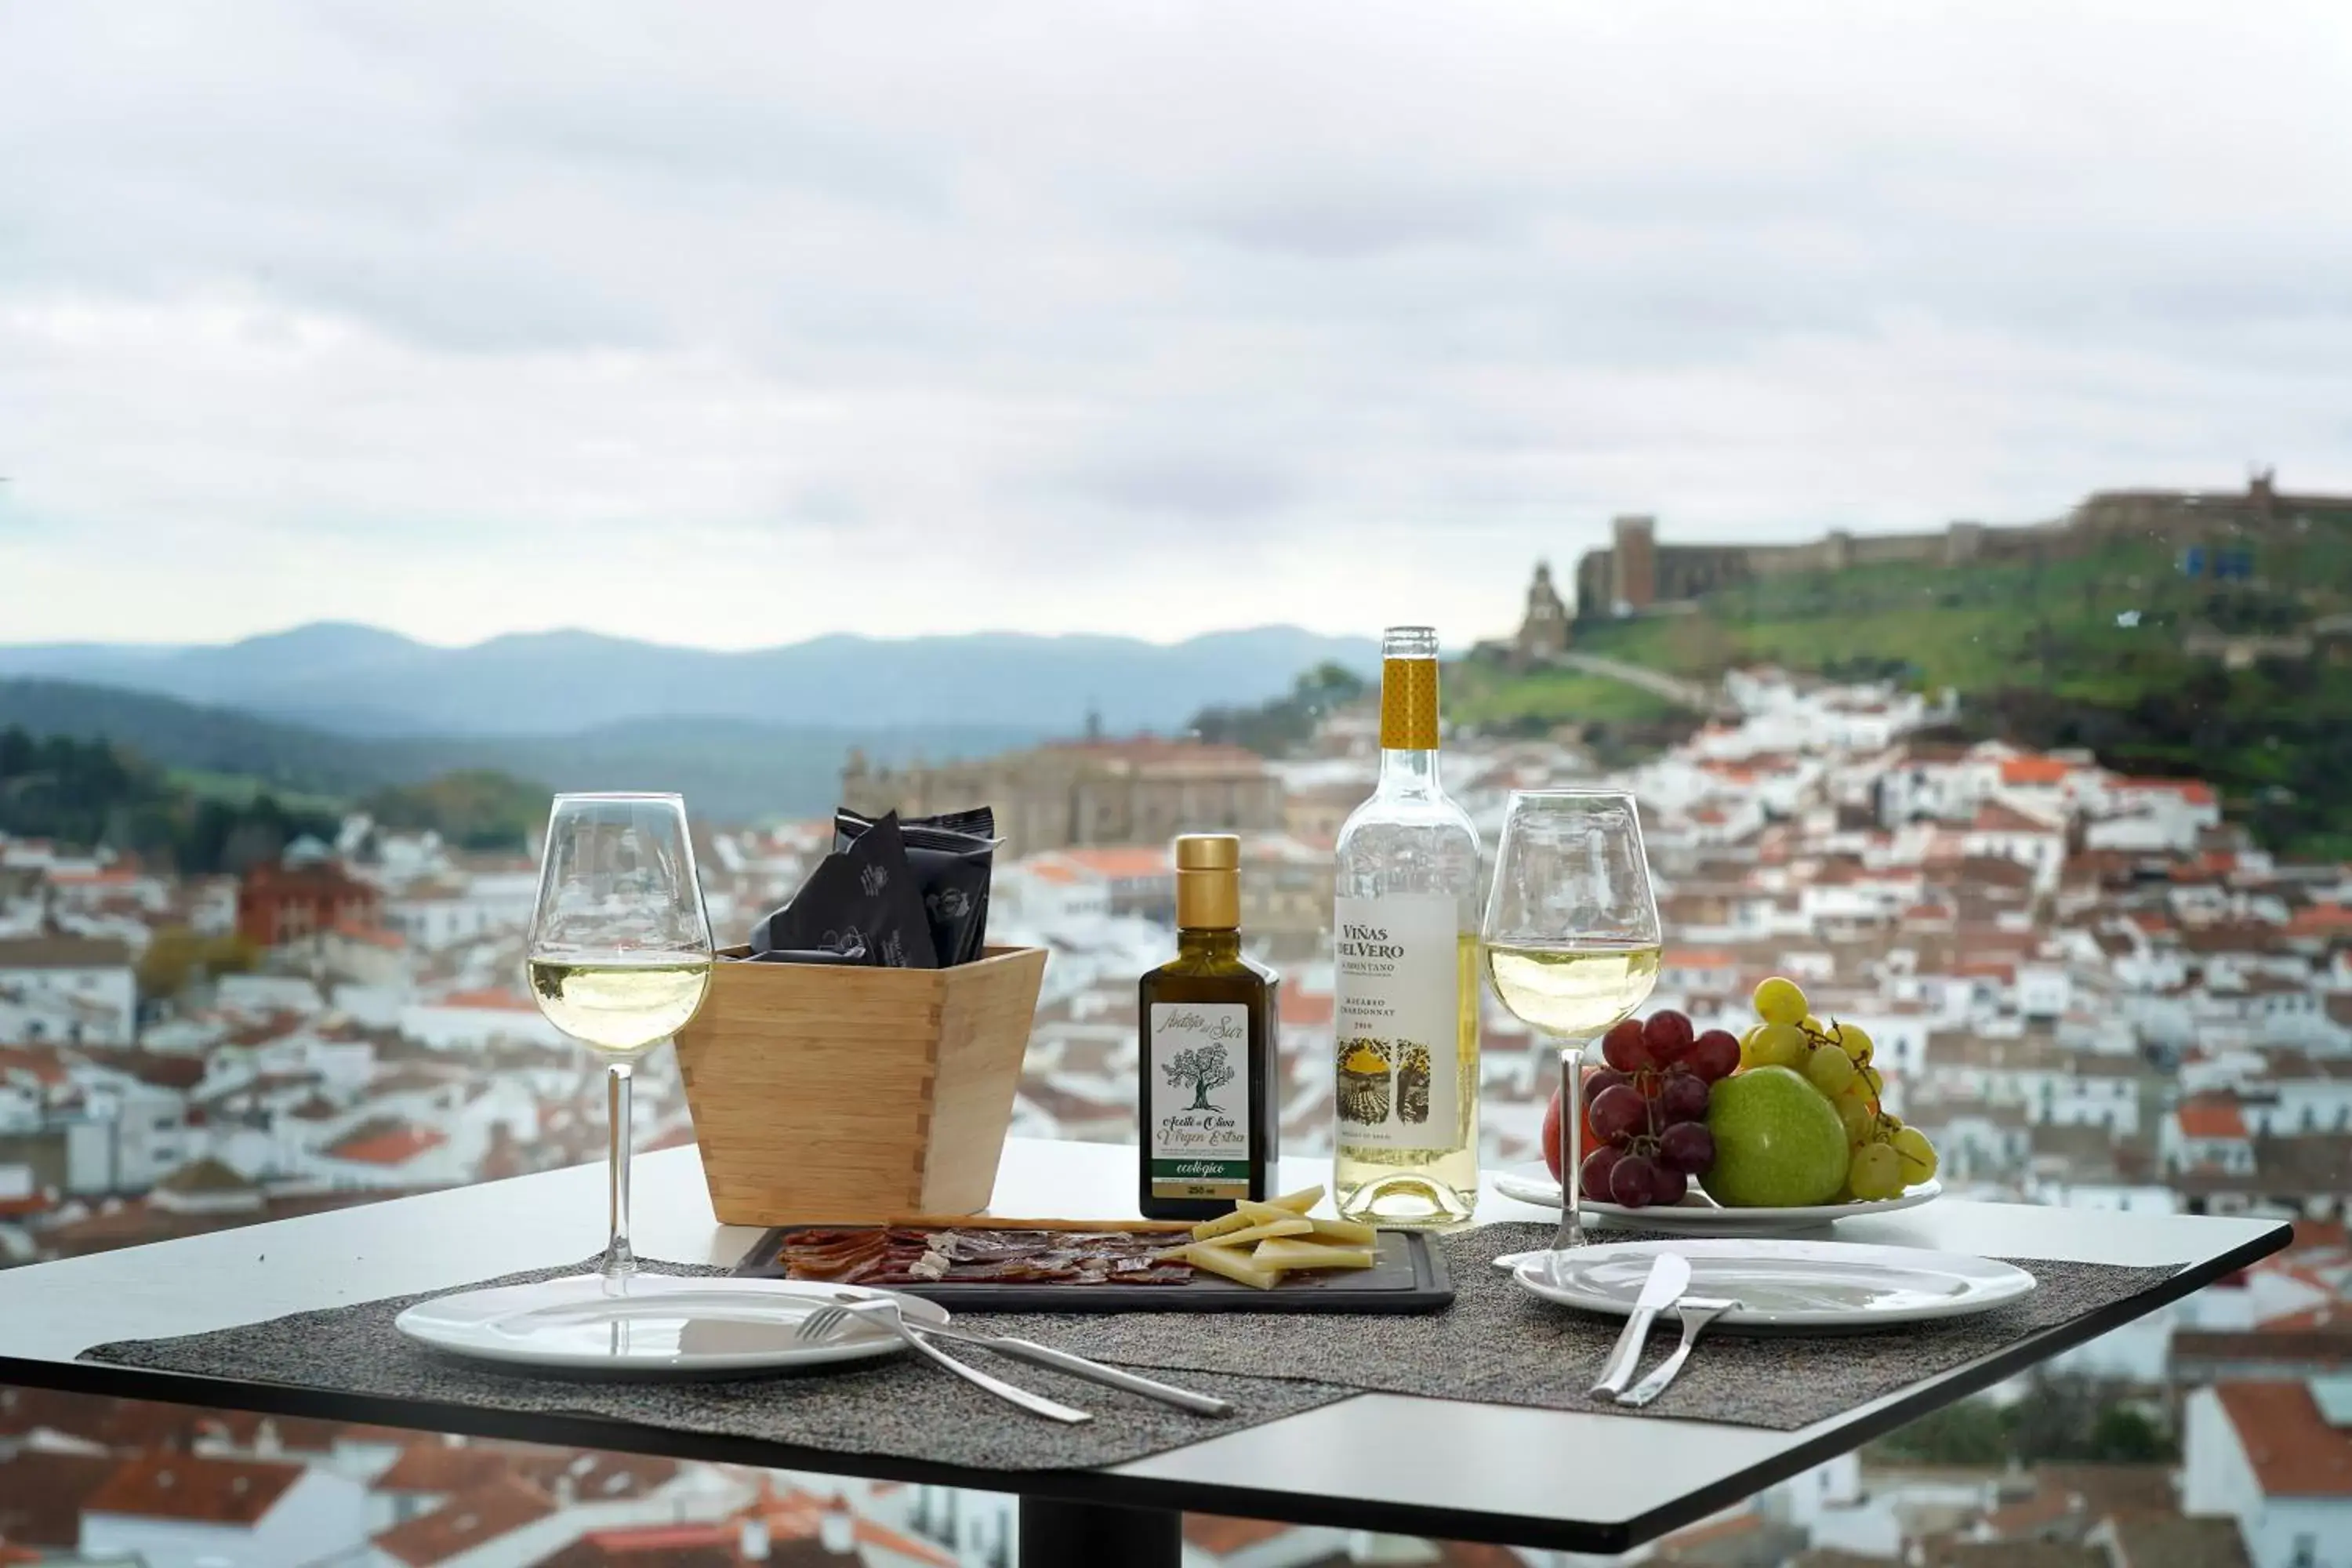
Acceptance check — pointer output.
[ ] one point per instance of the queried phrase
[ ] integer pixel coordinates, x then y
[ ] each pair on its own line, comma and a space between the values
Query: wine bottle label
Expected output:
1397, 1019
1198, 1135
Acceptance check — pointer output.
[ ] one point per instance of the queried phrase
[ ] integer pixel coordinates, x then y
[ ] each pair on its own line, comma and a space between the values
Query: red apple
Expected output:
1585, 1144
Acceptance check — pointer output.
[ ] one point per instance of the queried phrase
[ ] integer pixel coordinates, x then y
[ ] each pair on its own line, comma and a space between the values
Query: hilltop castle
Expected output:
1636, 573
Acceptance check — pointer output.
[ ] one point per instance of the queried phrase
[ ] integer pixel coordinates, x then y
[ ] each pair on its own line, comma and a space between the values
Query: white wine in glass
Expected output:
1577, 989
620, 952
617, 1005
1571, 939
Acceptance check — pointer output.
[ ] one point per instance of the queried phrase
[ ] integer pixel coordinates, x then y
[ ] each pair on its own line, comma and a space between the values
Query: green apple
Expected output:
1778, 1141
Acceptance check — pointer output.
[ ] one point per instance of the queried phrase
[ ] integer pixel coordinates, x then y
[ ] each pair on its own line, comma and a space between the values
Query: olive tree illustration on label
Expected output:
1364, 1080
1200, 1070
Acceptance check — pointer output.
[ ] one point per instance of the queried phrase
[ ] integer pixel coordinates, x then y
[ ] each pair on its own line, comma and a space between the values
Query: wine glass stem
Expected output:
1572, 1150
619, 1261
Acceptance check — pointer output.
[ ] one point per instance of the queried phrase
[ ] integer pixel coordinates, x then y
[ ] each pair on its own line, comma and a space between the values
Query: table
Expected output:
1566, 1479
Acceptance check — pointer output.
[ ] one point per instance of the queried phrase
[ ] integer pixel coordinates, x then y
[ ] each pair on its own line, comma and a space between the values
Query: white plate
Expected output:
1782, 1284
1695, 1216
656, 1323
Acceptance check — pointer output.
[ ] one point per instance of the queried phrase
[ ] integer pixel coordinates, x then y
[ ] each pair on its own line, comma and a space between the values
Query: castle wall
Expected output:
1638, 572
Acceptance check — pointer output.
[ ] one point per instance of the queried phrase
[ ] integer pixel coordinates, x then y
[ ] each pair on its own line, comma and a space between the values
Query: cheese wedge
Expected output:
1281, 1254
1238, 1266
1208, 1228
1245, 1231
1300, 1201
1344, 1230
1293, 1225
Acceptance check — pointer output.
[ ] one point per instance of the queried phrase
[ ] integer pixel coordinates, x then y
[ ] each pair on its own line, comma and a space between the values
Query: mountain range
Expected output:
365, 681
337, 711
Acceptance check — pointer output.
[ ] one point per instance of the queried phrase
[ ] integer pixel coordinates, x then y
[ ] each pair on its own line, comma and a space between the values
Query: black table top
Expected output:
1448, 1469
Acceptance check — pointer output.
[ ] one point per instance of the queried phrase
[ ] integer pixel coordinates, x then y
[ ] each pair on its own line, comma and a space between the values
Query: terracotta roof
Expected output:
42, 1492
1993, 816
2211, 1117
465, 1521
443, 1468
184, 1487
2195, 791
2013, 1554
596, 1477
1121, 862
2027, 771
2179, 1542
2293, 1451
386, 1140
1221, 1536
489, 998
45, 1068
2047, 1506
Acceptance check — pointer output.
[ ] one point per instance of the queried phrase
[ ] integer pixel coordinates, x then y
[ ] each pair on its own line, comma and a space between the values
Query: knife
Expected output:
1080, 1367
1668, 1277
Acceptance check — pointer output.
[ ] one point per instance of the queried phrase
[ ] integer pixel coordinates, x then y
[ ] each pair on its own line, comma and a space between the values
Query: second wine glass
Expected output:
1571, 939
620, 950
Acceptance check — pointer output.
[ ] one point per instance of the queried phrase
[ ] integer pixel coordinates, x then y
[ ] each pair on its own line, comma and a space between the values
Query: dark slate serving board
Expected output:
1409, 1276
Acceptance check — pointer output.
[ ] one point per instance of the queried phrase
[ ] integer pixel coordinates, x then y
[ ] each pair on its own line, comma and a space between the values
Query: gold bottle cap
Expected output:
1208, 852
1208, 882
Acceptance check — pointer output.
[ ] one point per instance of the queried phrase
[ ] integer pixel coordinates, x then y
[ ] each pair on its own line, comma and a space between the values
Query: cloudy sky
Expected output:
733, 324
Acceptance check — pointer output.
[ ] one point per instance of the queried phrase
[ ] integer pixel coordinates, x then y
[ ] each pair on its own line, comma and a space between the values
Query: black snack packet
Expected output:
952, 855
863, 900
856, 955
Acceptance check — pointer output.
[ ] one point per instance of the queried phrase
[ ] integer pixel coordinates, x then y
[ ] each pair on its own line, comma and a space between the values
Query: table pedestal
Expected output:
1080, 1534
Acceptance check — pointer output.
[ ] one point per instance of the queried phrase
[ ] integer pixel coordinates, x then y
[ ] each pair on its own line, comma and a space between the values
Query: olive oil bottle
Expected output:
1209, 1088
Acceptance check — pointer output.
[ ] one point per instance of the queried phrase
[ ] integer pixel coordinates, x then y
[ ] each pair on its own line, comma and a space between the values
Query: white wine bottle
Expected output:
1405, 949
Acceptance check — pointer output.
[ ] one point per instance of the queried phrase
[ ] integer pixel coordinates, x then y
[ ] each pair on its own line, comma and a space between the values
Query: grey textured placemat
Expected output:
1496, 1344
1500, 1345
903, 1407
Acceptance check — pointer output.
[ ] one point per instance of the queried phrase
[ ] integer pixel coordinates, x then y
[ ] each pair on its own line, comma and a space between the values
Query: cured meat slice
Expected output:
877, 1255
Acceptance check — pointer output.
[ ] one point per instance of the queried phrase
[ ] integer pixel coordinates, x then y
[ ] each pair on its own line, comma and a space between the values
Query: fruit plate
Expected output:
1696, 1216
1782, 1284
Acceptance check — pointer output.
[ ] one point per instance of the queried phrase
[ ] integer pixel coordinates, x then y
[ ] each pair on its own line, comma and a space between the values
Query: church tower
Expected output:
1543, 631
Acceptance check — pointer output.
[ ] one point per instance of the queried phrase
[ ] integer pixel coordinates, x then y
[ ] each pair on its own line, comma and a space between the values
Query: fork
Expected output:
1696, 1313
883, 1313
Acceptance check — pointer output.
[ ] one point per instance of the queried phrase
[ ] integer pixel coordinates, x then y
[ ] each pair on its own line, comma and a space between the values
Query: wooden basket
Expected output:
826, 1092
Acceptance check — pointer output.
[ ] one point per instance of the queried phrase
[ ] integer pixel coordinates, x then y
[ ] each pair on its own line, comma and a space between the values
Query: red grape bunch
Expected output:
1648, 1109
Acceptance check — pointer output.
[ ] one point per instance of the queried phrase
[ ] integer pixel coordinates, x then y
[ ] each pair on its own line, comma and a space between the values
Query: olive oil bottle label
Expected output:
1397, 1019
1199, 1135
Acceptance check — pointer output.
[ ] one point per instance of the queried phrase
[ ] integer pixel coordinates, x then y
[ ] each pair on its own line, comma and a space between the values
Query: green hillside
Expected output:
729, 770
2083, 652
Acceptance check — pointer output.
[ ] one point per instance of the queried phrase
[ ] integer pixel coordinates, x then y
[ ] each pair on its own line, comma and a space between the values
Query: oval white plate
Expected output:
1782, 1284
1695, 1216
656, 1323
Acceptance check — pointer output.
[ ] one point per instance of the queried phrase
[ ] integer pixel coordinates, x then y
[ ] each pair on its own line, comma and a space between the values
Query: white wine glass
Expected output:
619, 956
1572, 940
